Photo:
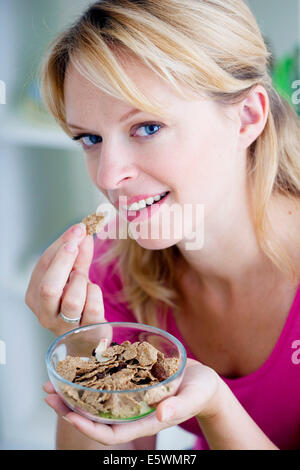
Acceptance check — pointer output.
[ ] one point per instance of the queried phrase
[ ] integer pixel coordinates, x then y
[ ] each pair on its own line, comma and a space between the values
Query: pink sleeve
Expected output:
108, 279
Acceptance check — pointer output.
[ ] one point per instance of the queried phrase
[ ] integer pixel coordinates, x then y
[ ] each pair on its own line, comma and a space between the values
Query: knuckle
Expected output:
79, 273
48, 291
72, 303
93, 310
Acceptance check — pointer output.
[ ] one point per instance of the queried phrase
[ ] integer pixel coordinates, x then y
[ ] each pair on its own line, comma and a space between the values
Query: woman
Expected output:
212, 132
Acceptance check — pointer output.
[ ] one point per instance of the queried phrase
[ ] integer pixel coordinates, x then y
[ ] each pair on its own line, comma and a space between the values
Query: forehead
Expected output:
83, 100
79, 92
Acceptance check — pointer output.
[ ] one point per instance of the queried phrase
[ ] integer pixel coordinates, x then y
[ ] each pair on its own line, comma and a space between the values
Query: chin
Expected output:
152, 243
155, 235
156, 244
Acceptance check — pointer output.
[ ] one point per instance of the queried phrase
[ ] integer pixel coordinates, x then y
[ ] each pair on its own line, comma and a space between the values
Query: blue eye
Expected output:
151, 128
91, 140
88, 140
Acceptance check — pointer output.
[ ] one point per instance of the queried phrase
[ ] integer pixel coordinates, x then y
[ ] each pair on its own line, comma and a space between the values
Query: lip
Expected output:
128, 200
146, 213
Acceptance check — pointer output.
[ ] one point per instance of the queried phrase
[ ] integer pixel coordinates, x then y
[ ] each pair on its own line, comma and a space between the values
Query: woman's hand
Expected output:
60, 283
197, 395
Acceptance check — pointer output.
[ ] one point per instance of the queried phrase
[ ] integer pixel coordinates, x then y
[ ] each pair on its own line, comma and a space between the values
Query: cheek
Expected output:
204, 165
92, 169
91, 166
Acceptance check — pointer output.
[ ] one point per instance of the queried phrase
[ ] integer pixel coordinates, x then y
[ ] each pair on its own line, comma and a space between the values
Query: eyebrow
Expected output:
122, 119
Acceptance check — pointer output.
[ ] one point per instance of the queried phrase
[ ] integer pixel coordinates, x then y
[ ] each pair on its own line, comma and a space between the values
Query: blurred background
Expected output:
45, 188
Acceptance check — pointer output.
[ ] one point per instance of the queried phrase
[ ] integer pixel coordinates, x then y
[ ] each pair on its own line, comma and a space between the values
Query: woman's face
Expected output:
193, 154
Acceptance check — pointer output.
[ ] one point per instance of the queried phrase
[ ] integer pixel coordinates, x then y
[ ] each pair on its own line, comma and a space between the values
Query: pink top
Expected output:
270, 395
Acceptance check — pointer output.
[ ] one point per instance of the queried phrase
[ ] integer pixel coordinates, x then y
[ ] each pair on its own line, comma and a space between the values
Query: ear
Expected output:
253, 114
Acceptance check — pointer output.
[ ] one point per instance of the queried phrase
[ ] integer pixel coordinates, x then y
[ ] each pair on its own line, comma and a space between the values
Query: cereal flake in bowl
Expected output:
115, 372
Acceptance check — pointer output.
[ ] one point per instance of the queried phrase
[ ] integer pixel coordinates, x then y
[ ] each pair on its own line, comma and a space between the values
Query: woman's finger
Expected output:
74, 295
93, 311
48, 387
116, 433
84, 425
85, 256
53, 283
187, 402
55, 402
76, 231
106, 434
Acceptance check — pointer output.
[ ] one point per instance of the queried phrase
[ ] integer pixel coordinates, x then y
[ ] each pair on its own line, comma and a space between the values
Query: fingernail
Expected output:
71, 246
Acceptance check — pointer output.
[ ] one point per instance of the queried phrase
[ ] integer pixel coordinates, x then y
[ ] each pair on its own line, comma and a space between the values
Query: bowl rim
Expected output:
173, 339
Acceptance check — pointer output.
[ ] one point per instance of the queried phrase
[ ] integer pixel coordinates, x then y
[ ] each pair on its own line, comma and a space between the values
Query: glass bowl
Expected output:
120, 405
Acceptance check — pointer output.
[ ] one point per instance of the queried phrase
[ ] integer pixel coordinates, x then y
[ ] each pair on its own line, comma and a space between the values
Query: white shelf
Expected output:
15, 131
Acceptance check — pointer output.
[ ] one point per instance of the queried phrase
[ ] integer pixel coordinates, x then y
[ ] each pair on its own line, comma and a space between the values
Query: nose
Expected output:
115, 166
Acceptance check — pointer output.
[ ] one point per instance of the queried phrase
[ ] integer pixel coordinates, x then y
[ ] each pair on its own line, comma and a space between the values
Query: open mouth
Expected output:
143, 203
148, 210
163, 197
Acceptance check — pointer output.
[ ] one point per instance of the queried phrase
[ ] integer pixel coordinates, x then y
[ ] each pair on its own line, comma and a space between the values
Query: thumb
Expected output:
174, 410
196, 393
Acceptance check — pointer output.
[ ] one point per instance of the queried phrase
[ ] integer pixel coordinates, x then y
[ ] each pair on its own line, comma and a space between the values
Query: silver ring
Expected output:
72, 321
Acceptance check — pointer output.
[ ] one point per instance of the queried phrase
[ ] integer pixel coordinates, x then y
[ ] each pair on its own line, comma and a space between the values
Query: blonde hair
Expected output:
209, 46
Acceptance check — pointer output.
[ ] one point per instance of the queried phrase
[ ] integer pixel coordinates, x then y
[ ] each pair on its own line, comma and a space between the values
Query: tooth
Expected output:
150, 200
134, 207
142, 204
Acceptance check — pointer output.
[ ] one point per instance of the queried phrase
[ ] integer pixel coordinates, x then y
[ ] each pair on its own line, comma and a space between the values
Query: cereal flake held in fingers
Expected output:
94, 223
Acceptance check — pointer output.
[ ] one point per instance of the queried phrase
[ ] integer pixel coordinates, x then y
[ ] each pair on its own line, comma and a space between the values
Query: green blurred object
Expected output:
285, 72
